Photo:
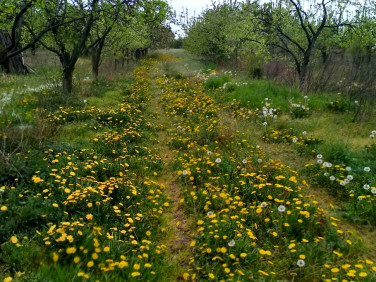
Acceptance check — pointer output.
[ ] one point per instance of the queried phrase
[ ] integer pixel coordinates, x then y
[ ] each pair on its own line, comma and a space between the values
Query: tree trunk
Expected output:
304, 70
14, 64
96, 53
324, 55
68, 80
95, 63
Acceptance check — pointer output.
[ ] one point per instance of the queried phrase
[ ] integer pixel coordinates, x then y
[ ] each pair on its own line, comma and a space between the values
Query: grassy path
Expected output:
253, 217
176, 221
154, 181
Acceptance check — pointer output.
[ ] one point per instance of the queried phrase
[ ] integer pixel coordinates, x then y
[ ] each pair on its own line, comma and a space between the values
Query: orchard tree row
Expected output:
75, 27
298, 31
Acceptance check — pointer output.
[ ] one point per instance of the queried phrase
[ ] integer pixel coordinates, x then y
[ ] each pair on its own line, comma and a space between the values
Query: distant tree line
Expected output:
71, 29
318, 39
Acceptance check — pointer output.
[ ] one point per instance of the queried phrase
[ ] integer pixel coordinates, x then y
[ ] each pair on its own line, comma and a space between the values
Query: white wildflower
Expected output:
281, 208
300, 263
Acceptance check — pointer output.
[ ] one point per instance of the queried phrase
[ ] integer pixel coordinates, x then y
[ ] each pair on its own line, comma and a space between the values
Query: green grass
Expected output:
216, 81
108, 147
101, 144
79, 133
254, 93
109, 99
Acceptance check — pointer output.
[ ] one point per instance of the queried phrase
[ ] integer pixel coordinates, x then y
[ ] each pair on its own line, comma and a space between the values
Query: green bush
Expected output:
337, 152
339, 104
209, 67
216, 81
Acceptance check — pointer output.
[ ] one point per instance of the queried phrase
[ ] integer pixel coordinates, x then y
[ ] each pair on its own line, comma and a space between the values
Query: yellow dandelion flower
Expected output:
55, 257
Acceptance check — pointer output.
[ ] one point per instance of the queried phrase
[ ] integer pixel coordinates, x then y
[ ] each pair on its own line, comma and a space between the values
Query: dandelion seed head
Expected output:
300, 263
281, 208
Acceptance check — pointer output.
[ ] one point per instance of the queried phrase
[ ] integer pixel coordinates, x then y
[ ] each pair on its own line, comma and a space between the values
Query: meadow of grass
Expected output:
81, 204
83, 186
252, 217
315, 124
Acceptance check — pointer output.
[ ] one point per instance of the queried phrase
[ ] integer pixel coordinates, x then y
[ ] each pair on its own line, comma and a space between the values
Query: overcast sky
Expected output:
193, 6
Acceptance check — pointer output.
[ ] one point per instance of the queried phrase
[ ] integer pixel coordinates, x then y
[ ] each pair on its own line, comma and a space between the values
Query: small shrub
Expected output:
209, 67
338, 152
229, 87
216, 81
300, 109
339, 104
178, 76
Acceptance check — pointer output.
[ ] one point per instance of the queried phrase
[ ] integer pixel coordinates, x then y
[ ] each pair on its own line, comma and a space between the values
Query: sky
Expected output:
194, 7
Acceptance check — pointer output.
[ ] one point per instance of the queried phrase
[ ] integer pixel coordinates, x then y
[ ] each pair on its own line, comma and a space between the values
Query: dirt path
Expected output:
177, 224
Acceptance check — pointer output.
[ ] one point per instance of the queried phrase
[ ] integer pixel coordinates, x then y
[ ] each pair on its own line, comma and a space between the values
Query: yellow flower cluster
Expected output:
252, 217
102, 212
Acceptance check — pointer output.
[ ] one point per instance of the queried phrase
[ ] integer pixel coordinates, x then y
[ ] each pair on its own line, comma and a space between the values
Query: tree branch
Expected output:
302, 24
290, 39
16, 23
